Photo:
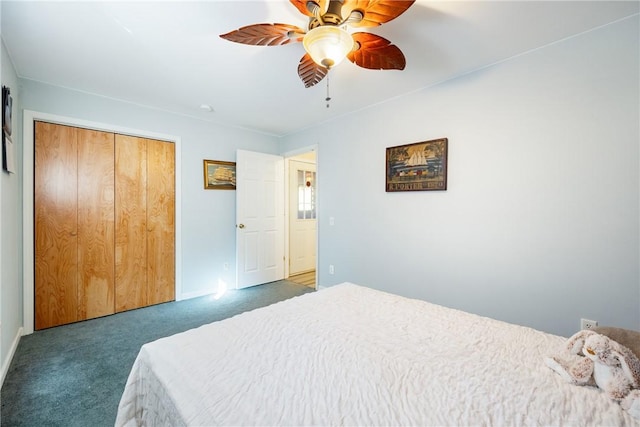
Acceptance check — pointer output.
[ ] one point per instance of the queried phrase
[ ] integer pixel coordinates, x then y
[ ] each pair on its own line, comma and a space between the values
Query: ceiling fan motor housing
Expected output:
332, 17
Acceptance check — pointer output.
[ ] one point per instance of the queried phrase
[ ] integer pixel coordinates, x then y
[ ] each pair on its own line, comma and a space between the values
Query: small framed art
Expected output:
8, 151
7, 106
219, 175
421, 166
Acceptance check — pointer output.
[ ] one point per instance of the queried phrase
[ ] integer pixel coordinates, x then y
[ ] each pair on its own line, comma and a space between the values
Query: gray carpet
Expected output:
74, 375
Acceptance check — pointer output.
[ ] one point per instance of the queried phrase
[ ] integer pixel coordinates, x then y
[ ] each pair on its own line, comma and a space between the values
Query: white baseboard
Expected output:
190, 295
6, 363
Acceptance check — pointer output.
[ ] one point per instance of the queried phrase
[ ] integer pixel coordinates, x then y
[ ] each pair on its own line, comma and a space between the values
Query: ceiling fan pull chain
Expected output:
328, 98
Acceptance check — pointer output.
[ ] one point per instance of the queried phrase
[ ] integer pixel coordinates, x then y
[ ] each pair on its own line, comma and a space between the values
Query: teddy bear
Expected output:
595, 359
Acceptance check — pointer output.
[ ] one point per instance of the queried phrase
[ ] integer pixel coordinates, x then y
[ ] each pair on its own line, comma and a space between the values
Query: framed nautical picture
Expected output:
219, 175
421, 166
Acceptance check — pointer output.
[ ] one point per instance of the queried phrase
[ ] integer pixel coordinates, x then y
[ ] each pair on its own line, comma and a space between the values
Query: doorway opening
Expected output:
301, 219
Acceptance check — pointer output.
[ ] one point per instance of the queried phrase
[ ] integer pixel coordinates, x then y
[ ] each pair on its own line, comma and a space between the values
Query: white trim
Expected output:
29, 117
196, 294
302, 150
12, 352
287, 215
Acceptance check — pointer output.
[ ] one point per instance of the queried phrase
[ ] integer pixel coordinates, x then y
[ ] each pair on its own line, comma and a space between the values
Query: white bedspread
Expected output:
350, 355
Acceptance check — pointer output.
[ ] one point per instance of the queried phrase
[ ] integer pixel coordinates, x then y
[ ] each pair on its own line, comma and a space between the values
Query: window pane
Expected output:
306, 194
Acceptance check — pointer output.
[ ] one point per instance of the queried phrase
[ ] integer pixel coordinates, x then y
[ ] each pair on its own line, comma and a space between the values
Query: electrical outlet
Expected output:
331, 269
588, 324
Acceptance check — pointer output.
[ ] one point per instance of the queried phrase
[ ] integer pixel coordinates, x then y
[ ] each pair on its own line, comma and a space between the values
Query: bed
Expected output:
351, 355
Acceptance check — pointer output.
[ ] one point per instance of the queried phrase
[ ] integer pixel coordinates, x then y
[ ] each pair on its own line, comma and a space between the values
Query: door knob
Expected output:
241, 226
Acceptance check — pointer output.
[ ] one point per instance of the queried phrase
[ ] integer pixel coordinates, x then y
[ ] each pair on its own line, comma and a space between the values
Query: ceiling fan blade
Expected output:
311, 73
301, 5
376, 12
265, 34
376, 53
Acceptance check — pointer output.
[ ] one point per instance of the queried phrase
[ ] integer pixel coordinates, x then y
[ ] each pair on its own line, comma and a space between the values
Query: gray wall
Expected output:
11, 229
539, 225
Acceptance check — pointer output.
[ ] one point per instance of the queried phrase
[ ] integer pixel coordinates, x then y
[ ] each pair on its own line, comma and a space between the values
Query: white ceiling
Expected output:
167, 54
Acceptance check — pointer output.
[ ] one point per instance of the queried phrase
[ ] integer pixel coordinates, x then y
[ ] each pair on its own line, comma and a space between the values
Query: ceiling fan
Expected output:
326, 40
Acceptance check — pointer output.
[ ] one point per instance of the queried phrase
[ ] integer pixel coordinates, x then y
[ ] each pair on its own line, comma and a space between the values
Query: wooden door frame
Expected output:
29, 117
287, 156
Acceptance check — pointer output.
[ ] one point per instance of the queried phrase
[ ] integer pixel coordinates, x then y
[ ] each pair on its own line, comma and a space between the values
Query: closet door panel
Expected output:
55, 216
131, 223
161, 221
96, 296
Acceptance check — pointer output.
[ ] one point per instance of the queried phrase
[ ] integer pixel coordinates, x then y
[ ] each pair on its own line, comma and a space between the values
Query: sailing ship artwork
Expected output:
421, 166
219, 175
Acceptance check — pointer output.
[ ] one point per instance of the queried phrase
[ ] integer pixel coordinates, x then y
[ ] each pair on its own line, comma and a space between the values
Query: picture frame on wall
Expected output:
219, 175
8, 151
421, 166
7, 106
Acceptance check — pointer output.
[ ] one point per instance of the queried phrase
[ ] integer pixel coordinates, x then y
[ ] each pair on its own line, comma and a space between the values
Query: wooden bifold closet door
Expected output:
74, 222
104, 223
145, 199
160, 222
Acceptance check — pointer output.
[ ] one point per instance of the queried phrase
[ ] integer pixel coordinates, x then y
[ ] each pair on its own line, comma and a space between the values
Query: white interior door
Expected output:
259, 218
302, 217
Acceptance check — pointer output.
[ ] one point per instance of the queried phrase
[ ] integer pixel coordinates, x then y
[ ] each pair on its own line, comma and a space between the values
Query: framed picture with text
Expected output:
421, 166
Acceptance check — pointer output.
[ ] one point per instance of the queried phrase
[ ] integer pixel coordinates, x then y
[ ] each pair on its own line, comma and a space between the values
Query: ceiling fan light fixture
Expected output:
328, 45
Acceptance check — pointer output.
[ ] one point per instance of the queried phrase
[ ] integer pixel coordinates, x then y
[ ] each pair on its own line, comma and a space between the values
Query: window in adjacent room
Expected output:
306, 194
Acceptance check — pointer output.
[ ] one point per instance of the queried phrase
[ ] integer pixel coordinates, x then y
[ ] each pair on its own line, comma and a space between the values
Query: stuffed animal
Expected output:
594, 359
